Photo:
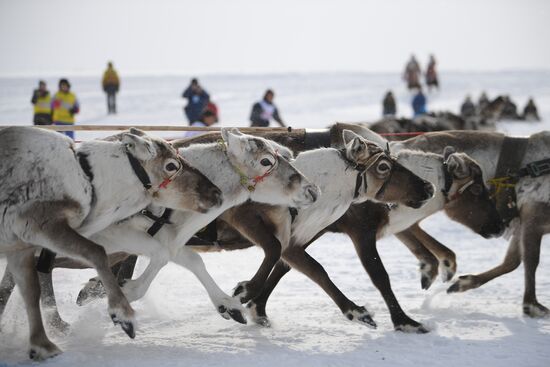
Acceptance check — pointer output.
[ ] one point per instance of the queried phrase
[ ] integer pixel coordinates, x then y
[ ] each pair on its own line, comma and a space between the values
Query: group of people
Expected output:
413, 74
64, 105
507, 111
202, 112
389, 105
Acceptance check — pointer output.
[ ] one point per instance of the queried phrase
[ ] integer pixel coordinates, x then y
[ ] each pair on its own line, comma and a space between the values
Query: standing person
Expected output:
468, 109
65, 106
208, 118
265, 110
197, 100
412, 73
419, 103
431, 74
530, 112
111, 85
389, 107
41, 99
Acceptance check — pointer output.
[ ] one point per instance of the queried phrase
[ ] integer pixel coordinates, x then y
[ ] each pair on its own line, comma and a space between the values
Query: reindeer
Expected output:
533, 195
245, 168
56, 195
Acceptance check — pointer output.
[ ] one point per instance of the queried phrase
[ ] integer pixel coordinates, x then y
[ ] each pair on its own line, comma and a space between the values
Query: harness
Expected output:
250, 182
158, 222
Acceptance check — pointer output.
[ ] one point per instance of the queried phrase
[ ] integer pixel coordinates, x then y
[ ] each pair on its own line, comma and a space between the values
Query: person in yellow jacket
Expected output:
65, 106
111, 84
41, 100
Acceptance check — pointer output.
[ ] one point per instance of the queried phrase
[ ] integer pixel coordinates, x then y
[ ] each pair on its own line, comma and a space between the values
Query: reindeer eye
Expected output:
383, 167
266, 162
171, 166
476, 189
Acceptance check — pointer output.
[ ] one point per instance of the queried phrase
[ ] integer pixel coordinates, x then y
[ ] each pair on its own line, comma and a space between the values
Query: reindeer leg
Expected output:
258, 304
21, 264
511, 262
300, 260
6, 288
365, 245
49, 303
428, 262
226, 306
446, 256
531, 236
61, 238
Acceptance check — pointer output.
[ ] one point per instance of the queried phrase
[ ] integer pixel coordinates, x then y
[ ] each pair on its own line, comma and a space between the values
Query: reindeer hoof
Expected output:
262, 321
535, 310
448, 271
40, 353
91, 291
257, 312
237, 315
127, 326
425, 282
464, 283
412, 328
362, 316
241, 291
428, 273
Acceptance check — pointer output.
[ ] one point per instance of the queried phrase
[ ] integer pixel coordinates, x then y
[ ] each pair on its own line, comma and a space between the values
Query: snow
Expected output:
179, 327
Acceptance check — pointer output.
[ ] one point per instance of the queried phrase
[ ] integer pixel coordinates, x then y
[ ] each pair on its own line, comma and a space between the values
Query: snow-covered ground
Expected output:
179, 327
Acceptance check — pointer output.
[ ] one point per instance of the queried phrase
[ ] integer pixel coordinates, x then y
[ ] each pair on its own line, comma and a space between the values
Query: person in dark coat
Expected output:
468, 109
419, 103
111, 85
431, 74
41, 100
412, 73
530, 112
389, 107
264, 111
197, 100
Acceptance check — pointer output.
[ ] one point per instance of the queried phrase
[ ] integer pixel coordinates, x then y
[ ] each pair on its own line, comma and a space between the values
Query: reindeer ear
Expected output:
457, 165
448, 151
137, 132
142, 149
369, 135
348, 135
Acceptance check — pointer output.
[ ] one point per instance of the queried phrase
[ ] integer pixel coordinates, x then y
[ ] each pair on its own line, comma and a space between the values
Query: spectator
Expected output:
111, 85
65, 106
412, 73
388, 105
208, 118
431, 74
530, 112
419, 103
41, 100
265, 110
468, 109
483, 102
197, 100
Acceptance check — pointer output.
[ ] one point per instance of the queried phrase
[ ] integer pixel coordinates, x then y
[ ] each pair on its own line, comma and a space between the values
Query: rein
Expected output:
533, 170
362, 170
249, 182
143, 177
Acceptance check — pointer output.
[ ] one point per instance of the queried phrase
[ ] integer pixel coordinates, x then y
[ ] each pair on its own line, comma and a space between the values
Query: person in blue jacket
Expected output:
419, 103
197, 99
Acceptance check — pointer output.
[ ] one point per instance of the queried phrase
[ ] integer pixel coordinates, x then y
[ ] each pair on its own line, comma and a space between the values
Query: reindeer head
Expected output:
386, 179
174, 183
469, 200
266, 171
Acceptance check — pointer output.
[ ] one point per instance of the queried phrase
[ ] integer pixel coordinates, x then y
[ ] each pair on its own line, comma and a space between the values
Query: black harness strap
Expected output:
158, 221
139, 171
509, 161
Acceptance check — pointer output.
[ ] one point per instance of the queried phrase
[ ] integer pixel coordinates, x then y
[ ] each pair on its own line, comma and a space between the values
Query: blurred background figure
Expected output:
483, 102
111, 85
468, 109
41, 100
419, 103
208, 118
389, 107
197, 100
530, 112
65, 106
264, 111
412, 73
431, 75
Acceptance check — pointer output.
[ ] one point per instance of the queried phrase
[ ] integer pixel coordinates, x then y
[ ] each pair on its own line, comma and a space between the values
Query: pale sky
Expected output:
50, 37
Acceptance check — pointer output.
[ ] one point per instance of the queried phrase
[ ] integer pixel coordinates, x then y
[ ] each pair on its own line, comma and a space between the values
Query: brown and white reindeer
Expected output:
245, 168
531, 179
55, 195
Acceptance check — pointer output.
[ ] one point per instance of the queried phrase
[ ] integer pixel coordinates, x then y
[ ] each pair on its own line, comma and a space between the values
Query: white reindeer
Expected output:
55, 195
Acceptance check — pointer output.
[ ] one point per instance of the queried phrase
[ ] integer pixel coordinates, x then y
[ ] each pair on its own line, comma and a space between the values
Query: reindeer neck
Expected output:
114, 181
